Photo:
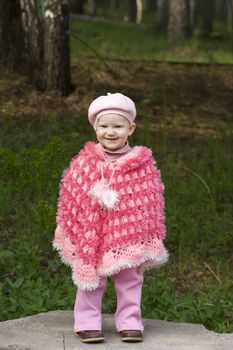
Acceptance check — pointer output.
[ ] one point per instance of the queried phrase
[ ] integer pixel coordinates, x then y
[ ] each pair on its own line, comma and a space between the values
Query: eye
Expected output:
103, 126
118, 126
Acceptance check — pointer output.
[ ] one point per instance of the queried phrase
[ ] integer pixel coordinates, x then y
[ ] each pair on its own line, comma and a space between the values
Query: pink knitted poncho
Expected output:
110, 215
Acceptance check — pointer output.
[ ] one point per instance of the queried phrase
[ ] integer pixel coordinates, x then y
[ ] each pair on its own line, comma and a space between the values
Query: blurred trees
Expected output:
162, 16
34, 39
177, 19
174, 18
77, 6
190, 11
11, 42
207, 11
34, 34
230, 14
132, 10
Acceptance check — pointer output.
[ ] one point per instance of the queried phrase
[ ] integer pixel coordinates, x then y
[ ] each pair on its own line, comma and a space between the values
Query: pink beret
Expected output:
112, 103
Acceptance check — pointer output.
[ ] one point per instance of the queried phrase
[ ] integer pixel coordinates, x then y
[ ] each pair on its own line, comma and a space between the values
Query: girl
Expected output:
110, 220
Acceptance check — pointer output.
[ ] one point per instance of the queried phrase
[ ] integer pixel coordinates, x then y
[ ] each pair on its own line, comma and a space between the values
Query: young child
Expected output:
110, 220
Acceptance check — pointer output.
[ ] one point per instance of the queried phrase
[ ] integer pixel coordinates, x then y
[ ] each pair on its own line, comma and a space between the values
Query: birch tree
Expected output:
139, 4
56, 46
32, 34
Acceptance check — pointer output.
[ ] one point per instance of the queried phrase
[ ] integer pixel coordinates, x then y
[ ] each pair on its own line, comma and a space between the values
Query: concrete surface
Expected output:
53, 331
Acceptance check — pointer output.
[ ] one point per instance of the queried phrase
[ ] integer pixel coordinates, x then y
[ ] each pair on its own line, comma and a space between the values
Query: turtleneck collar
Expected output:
113, 156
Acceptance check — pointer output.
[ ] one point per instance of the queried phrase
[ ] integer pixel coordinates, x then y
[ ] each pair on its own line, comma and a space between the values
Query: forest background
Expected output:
174, 59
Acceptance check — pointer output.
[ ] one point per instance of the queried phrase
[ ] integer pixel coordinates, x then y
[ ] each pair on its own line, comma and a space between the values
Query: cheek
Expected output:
99, 134
124, 134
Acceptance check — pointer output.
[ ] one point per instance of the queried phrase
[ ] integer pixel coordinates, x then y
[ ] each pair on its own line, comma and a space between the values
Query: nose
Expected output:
110, 131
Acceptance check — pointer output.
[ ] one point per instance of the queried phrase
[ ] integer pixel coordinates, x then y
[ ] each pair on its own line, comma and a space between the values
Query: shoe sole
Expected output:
131, 339
92, 340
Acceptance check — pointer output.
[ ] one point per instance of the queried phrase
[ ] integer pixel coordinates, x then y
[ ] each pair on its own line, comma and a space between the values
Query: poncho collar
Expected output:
138, 156
113, 156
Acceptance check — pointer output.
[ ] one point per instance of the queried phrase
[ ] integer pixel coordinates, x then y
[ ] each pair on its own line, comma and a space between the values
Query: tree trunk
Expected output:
190, 10
177, 20
56, 47
91, 7
230, 15
76, 6
207, 16
33, 48
11, 35
132, 10
102, 7
139, 5
162, 16
151, 5
220, 9
113, 4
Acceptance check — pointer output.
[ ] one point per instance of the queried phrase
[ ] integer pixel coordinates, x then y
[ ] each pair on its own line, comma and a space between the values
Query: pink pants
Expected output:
128, 287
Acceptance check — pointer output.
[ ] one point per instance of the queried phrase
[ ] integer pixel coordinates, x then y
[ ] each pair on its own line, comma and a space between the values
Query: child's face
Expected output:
112, 131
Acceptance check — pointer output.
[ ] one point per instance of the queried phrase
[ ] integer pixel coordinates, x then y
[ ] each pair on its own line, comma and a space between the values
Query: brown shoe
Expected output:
91, 336
131, 336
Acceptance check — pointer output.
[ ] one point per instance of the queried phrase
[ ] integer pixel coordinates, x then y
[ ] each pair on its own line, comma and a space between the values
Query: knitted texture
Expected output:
97, 241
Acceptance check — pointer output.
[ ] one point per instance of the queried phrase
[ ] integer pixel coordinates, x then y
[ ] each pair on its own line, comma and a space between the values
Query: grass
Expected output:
124, 41
195, 286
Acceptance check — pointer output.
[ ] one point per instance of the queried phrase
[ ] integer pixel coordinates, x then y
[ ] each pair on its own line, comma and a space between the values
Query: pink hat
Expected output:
112, 103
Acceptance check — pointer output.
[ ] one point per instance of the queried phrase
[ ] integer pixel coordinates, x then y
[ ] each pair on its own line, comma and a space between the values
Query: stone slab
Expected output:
53, 331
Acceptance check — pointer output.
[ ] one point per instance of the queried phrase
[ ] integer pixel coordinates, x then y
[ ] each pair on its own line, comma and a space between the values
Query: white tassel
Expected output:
107, 197
97, 189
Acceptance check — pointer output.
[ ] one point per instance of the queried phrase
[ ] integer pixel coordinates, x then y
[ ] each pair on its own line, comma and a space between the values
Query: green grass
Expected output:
198, 178
123, 41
